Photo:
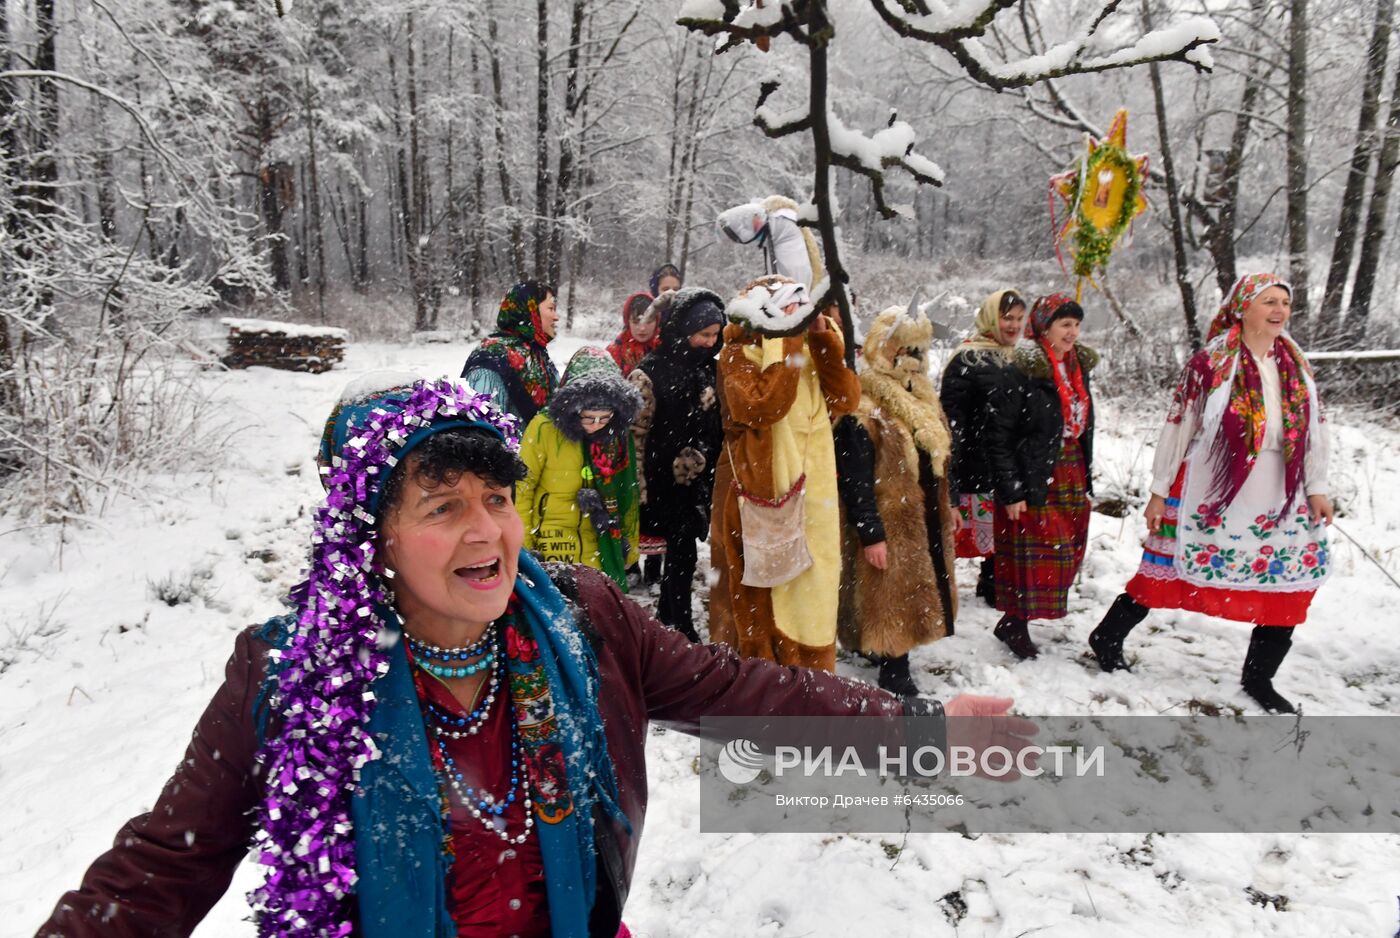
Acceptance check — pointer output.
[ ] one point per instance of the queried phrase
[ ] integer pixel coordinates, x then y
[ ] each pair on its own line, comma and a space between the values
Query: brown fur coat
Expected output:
914, 600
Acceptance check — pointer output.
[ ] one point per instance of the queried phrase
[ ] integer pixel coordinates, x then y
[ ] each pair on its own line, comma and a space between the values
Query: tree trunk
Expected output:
302, 248
408, 224
36, 197
315, 199
1298, 161
10, 400
565, 177
1349, 220
517, 231
1359, 310
478, 254
1183, 269
340, 216
542, 140
819, 31
271, 183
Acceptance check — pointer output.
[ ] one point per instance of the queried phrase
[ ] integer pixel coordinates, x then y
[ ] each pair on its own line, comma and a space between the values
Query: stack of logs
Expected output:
285, 345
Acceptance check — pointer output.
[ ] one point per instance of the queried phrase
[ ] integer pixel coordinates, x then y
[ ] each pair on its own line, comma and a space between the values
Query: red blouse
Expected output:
494, 888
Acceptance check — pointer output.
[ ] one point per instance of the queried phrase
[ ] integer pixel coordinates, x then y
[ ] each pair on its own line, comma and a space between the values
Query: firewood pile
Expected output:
286, 345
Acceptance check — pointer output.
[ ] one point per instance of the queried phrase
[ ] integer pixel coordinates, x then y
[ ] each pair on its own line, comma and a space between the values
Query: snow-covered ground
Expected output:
114, 637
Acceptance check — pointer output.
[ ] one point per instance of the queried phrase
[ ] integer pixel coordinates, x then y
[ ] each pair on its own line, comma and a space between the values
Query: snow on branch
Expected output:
851, 149
757, 21
870, 156
775, 123
958, 27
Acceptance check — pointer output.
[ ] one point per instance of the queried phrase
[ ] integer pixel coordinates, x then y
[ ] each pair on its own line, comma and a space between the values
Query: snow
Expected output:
701, 10
290, 329
889, 146
101, 681
753, 15
1159, 43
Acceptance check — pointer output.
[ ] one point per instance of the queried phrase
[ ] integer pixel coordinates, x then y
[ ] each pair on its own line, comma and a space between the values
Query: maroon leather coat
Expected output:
167, 868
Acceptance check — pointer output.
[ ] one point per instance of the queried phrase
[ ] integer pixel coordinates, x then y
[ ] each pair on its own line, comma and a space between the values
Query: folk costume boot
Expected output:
1106, 641
895, 676
1268, 646
986, 582
1015, 634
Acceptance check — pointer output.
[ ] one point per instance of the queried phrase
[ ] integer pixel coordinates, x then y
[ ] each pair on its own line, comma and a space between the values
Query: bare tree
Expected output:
956, 32
1178, 228
1297, 160
1359, 310
1363, 151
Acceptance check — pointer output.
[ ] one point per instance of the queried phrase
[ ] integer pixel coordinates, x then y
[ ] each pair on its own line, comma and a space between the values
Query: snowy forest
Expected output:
394, 167
390, 169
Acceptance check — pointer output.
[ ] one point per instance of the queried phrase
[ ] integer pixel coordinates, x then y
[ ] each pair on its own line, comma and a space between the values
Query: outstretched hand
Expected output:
981, 723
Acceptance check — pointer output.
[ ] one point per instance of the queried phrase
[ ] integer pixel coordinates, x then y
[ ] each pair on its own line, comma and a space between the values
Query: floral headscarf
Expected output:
520, 337
1069, 379
1222, 381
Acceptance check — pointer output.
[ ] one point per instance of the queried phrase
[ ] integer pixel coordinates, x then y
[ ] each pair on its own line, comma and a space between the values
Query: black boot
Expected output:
895, 676
1268, 646
986, 582
1015, 634
1107, 640
651, 569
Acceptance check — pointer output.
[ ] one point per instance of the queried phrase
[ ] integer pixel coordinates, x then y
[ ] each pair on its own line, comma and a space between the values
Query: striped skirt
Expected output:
1038, 556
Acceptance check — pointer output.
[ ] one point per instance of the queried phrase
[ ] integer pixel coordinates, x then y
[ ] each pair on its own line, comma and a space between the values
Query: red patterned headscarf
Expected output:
1242, 418
1069, 380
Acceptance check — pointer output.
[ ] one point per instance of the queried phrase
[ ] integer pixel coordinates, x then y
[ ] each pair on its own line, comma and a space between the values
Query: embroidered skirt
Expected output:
976, 526
1038, 556
1261, 577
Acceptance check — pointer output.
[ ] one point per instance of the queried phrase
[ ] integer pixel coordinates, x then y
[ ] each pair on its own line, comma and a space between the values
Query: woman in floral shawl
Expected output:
1239, 508
511, 364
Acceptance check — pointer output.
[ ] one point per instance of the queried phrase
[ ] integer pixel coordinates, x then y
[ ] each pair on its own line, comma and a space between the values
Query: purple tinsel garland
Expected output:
324, 691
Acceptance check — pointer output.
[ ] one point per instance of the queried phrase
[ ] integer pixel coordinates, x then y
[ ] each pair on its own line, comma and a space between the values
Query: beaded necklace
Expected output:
439, 662
447, 725
486, 807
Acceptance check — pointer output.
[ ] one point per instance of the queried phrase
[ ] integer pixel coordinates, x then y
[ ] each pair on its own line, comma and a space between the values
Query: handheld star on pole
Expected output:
1103, 193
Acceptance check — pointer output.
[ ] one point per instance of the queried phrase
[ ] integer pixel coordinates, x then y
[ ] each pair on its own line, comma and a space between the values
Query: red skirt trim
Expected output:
1253, 606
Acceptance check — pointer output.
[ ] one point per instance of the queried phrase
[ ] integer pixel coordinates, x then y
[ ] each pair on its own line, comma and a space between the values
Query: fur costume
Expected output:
914, 599
777, 397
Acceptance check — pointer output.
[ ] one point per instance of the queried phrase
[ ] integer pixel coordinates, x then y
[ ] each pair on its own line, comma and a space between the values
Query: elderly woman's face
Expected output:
455, 550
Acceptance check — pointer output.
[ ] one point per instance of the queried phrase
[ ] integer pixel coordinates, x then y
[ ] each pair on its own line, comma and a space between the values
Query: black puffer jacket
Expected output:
977, 386
680, 436
1023, 441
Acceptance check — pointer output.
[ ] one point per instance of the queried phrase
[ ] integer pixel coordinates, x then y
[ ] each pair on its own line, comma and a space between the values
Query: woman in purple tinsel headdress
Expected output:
443, 737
